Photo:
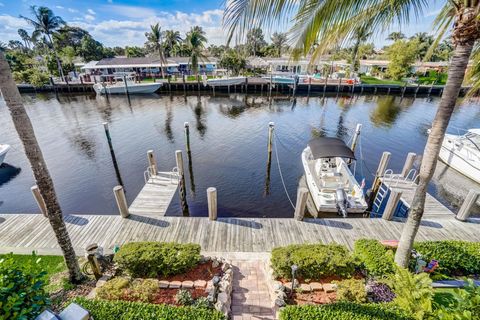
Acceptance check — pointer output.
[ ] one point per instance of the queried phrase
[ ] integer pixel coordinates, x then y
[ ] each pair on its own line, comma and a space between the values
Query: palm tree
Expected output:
360, 35
46, 23
196, 44
395, 36
279, 41
331, 22
26, 133
172, 39
155, 40
25, 37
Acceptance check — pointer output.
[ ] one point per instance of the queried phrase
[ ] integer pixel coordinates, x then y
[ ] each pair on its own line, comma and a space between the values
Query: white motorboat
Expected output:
462, 153
280, 79
117, 86
3, 152
226, 81
331, 183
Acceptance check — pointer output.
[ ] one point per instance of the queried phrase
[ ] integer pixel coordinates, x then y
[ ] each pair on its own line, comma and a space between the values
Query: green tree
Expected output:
90, 49
395, 36
324, 24
216, 51
279, 41
27, 40
172, 40
425, 42
155, 43
196, 44
46, 23
233, 61
255, 41
401, 55
132, 52
70, 36
360, 35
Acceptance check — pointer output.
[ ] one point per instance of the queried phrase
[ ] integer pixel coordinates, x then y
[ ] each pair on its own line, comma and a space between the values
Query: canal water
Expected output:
228, 135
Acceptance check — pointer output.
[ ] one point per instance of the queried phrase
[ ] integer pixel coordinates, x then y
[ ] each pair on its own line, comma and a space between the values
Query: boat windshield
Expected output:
474, 139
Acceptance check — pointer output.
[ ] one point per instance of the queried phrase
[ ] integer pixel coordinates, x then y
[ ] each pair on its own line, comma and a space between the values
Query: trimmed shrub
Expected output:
352, 290
314, 261
343, 311
113, 289
184, 298
152, 259
373, 255
22, 289
143, 290
454, 257
124, 310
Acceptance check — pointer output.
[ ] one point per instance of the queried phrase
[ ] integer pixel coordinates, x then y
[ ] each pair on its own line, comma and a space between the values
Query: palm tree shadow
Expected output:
149, 220
76, 220
248, 223
330, 223
431, 224
2, 220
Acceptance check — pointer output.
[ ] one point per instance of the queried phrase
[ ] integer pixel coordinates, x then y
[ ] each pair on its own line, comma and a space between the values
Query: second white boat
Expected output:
331, 183
226, 81
119, 87
3, 152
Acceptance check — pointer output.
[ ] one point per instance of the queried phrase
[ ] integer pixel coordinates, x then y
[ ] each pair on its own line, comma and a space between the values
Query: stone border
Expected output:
220, 296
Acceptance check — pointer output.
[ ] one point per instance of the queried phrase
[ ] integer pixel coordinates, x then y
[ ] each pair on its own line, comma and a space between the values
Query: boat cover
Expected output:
325, 147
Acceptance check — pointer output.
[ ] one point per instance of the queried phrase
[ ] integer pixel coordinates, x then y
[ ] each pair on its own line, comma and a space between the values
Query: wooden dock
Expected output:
155, 197
23, 233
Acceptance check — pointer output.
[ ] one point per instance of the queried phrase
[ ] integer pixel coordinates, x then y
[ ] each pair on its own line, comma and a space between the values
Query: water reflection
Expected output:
8, 173
386, 112
200, 117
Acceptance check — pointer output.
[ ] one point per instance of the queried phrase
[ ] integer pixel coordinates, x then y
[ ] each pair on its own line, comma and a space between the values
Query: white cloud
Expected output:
90, 11
2, 5
59, 7
72, 10
110, 1
432, 13
134, 12
9, 26
89, 17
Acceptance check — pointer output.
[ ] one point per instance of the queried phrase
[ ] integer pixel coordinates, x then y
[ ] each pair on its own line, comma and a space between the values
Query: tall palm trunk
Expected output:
26, 133
59, 64
456, 74
162, 58
353, 65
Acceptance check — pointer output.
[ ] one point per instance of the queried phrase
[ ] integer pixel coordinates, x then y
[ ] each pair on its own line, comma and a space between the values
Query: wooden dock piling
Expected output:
39, 200
182, 191
409, 161
152, 162
187, 136
382, 166
355, 136
466, 208
302, 195
126, 89
112, 153
212, 203
392, 204
121, 201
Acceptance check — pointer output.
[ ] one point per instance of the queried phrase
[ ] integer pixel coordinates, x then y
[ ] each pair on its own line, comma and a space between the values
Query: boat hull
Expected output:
325, 202
139, 88
226, 81
3, 152
466, 164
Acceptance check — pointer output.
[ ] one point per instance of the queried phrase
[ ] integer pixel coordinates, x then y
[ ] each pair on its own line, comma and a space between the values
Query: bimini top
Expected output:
330, 148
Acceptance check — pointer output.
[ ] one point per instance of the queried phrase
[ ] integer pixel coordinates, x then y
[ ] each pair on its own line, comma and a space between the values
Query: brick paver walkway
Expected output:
250, 296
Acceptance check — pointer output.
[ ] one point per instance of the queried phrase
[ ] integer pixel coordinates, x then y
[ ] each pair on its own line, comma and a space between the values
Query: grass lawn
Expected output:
53, 265
373, 80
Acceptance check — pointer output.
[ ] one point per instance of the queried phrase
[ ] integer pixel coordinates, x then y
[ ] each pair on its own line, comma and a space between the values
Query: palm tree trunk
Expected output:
59, 64
354, 58
26, 133
456, 74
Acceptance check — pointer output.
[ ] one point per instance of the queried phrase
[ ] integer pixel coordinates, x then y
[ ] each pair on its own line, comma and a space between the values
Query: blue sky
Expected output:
123, 22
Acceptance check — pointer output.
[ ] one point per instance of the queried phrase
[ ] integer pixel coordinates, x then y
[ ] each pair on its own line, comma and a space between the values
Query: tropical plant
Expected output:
462, 304
42, 177
379, 292
233, 61
196, 44
331, 22
255, 41
22, 294
46, 23
352, 290
172, 39
373, 256
27, 40
401, 56
184, 297
279, 41
132, 52
155, 42
360, 35
395, 36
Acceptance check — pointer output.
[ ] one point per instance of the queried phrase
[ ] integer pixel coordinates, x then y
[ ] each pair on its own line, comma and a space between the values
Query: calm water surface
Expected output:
228, 141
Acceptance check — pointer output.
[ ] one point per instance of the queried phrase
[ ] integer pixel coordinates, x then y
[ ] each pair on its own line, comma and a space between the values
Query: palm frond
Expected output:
441, 24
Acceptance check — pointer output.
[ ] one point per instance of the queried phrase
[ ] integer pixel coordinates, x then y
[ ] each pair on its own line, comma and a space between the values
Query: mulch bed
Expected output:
203, 271
61, 297
314, 297
167, 296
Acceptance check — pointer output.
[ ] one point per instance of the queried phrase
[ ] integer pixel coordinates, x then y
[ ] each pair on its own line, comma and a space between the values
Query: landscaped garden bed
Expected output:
331, 282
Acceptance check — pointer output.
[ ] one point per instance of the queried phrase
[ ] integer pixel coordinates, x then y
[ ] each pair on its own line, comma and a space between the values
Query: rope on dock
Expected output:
280, 170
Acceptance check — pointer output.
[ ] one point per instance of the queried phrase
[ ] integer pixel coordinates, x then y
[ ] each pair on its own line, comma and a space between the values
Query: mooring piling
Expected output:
355, 136
112, 153
212, 203
382, 166
121, 201
182, 191
466, 208
152, 162
189, 156
187, 135
409, 161
302, 195
392, 204
126, 89
39, 200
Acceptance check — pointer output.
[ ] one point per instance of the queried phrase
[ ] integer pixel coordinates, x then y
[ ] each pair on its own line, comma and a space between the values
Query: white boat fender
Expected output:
341, 202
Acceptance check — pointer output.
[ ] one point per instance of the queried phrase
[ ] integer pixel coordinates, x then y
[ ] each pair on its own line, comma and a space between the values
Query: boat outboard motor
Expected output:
341, 198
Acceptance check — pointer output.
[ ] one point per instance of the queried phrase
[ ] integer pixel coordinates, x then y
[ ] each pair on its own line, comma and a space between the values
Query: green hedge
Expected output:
124, 310
313, 260
454, 257
150, 259
343, 311
373, 255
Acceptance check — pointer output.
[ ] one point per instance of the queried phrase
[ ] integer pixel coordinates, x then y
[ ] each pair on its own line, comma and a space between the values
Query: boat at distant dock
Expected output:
226, 81
119, 84
3, 152
332, 185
